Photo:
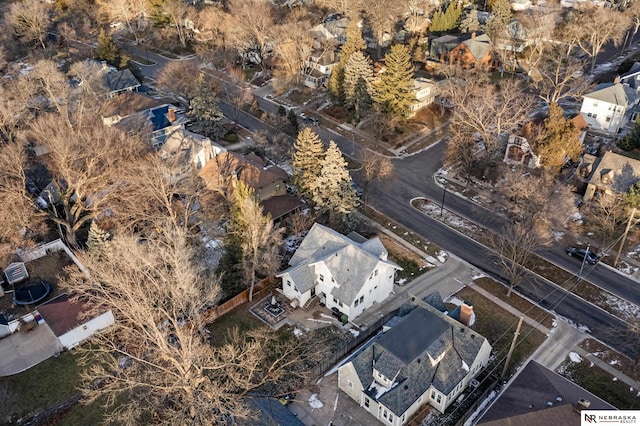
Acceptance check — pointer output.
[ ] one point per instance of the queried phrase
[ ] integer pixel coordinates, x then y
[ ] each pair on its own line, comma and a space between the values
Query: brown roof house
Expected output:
537, 396
269, 182
607, 175
65, 317
476, 52
425, 357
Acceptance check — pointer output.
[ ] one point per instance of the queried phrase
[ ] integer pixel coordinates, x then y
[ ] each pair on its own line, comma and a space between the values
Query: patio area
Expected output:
277, 314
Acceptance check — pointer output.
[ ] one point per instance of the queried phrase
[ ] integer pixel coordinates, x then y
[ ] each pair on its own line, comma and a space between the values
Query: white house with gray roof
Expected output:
343, 273
607, 107
425, 358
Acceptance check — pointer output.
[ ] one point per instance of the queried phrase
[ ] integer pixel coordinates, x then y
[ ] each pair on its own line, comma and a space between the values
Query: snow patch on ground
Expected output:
626, 309
355, 333
465, 367
574, 357
323, 315
442, 256
480, 408
614, 362
557, 235
626, 268
401, 281
297, 332
320, 321
615, 379
314, 402
477, 276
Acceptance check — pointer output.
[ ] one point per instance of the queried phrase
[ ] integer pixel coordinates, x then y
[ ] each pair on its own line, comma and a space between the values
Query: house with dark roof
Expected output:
157, 122
339, 272
120, 82
539, 396
268, 182
426, 357
65, 317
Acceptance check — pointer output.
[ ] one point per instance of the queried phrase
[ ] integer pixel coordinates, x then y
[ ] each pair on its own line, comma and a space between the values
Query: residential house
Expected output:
338, 271
539, 396
632, 77
610, 174
425, 91
445, 44
268, 182
120, 82
608, 108
157, 122
426, 357
475, 52
65, 316
191, 150
318, 68
332, 29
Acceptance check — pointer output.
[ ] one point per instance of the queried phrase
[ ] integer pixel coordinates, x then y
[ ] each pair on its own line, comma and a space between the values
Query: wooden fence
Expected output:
332, 360
239, 299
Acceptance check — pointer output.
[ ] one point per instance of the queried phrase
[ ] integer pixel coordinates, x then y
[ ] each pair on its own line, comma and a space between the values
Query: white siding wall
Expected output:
349, 382
79, 334
603, 115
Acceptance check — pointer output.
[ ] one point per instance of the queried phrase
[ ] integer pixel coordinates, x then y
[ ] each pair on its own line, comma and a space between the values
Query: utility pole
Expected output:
584, 259
444, 192
513, 346
624, 236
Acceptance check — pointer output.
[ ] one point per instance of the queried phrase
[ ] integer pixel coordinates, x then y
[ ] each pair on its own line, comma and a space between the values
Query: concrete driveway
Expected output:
21, 351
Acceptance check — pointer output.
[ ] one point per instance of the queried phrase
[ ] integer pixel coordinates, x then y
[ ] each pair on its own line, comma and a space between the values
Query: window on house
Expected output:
433, 394
595, 115
390, 418
277, 187
340, 304
375, 273
334, 299
332, 280
589, 114
356, 303
608, 119
420, 400
439, 399
384, 414
361, 299
366, 402
288, 283
350, 384
321, 277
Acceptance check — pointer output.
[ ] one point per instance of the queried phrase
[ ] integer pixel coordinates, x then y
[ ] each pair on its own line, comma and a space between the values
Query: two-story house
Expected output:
476, 52
425, 358
607, 175
425, 91
608, 107
343, 273
318, 68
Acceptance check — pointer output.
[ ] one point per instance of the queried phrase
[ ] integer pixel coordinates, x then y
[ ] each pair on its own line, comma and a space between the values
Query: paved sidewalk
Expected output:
608, 368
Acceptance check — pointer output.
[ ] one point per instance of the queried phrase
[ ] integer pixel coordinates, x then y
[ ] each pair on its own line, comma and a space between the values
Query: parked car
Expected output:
309, 120
585, 255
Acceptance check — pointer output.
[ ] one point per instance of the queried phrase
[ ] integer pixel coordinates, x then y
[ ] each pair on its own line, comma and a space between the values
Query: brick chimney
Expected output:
172, 115
616, 80
582, 404
466, 313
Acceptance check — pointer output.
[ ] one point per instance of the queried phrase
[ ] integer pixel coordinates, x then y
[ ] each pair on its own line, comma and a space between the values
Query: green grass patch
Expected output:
44, 385
240, 318
498, 326
600, 383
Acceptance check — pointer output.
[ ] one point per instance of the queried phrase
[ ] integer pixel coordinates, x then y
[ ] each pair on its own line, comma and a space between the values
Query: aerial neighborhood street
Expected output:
304, 212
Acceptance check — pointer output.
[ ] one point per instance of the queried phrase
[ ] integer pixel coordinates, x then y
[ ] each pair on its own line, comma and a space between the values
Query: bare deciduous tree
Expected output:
558, 76
128, 11
249, 29
514, 247
594, 27
30, 20
155, 362
177, 78
375, 168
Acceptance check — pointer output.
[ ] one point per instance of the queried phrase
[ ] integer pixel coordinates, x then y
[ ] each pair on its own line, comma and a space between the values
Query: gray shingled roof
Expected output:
478, 46
418, 333
121, 80
613, 93
349, 262
625, 172
525, 400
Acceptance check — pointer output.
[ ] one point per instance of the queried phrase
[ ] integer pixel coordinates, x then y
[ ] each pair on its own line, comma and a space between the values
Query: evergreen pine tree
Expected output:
308, 153
437, 22
501, 16
107, 50
559, 139
358, 83
355, 43
394, 90
332, 190
470, 22
97, 237
452, 15
203, 108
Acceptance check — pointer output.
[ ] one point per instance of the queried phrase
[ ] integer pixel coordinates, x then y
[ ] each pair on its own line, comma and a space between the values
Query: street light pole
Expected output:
444, 192
353, 145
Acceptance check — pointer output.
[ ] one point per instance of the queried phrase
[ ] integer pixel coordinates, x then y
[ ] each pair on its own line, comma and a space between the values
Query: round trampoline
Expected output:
31, 293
